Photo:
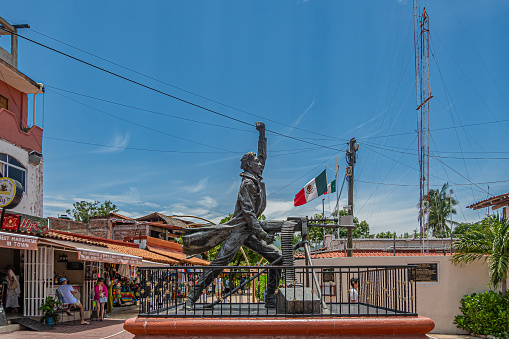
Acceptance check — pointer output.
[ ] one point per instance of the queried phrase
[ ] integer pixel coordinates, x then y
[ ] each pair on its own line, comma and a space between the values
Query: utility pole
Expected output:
350, 158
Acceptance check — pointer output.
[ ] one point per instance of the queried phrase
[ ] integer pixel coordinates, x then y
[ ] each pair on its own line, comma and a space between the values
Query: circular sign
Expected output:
10, 192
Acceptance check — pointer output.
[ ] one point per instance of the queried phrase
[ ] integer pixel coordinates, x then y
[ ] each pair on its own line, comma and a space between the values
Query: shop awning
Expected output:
147, 263
18, 241
96, 253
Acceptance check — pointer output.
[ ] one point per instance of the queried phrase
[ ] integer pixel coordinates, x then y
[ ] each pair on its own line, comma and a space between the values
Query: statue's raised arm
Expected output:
262, 143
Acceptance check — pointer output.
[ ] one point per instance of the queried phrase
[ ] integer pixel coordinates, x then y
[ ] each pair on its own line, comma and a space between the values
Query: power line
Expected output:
150, 111
130, 148
176, 87
157, 90
146, 127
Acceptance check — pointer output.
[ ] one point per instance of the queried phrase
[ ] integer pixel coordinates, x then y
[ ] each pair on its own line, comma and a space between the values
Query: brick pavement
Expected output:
110, 327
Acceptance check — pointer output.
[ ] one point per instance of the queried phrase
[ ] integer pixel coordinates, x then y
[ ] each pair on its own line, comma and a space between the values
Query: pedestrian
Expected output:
218, 285
13, 291
242, 288
353, 294
67, 293
100, 297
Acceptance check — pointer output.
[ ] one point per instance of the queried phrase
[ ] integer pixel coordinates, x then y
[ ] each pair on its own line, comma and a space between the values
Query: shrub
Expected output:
485, 313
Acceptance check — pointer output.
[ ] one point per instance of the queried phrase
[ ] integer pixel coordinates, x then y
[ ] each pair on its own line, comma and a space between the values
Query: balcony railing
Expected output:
382, 291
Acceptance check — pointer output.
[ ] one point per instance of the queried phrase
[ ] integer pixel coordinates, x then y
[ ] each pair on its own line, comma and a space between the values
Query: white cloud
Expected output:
118, 144
208, 202
197, 187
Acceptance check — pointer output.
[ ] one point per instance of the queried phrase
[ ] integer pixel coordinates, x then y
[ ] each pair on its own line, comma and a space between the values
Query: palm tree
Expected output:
441, 207
491, 242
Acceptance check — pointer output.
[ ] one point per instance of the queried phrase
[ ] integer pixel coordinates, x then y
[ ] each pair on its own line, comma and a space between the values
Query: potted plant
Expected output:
49, 308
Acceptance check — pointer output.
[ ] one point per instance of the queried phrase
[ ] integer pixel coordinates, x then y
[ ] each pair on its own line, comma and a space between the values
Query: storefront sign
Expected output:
18, 241
11, 192
31, 224
108, 257
425, 272
25, 223
11, 222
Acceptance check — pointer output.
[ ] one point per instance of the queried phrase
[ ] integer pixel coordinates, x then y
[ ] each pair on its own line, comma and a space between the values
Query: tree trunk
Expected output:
504, 286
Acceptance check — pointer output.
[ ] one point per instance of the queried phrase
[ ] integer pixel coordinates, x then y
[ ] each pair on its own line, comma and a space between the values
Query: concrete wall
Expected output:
386, 244
439, 301
67, 225
31, 202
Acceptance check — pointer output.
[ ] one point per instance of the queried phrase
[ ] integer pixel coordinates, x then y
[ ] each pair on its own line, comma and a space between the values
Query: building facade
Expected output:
20, 144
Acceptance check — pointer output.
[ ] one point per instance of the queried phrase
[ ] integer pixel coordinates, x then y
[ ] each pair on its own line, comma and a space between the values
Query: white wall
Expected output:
31, 203
438, 301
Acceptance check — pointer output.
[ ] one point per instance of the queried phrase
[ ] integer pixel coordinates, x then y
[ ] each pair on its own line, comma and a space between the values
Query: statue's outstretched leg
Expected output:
230, 248
271, 253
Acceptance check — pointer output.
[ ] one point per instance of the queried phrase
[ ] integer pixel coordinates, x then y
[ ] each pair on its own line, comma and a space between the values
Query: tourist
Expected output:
100, 297
242, 288
67, 293
13, 291
218, 285
353, 294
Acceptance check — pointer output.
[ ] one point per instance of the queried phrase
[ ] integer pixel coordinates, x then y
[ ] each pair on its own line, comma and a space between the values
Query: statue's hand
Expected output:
260, 126
269, 239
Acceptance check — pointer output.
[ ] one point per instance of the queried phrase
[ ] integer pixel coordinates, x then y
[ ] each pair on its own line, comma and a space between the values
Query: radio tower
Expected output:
422, 86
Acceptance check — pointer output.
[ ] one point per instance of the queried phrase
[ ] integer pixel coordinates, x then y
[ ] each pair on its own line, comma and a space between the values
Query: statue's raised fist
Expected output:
260, 126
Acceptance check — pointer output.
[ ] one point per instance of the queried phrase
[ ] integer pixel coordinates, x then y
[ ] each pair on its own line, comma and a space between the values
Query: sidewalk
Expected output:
112, 327
97, 329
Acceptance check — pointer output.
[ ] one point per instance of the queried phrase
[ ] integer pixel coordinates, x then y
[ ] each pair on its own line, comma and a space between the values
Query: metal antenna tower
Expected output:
423, 90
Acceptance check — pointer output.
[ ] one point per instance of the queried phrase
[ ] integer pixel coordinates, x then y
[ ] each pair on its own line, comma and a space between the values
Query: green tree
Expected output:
440, 208
84, 210
489, 241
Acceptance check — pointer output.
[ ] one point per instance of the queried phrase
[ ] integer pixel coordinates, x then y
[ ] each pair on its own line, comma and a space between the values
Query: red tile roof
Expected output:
495, 201
178, 256
147, 255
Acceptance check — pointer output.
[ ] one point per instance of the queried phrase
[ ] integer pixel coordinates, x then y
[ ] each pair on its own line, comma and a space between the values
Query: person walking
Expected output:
100, 297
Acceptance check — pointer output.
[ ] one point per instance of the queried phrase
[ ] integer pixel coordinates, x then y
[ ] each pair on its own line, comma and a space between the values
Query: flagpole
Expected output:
337, 197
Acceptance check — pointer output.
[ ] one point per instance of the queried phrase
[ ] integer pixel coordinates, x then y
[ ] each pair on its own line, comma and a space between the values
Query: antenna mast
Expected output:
423, 90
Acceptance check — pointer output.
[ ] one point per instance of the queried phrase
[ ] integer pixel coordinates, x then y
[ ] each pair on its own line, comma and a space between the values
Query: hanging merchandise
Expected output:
124, 271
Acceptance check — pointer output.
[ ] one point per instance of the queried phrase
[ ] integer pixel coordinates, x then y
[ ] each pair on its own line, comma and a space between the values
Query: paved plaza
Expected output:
113, 328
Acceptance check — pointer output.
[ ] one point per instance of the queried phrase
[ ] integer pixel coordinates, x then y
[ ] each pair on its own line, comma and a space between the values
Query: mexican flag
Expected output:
312, 190
331, 188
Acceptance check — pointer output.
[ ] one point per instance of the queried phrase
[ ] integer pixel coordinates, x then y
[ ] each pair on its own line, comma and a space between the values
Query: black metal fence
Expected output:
239, 291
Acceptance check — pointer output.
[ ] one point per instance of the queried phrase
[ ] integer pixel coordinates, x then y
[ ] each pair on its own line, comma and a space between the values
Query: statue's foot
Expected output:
270, 300
189, 305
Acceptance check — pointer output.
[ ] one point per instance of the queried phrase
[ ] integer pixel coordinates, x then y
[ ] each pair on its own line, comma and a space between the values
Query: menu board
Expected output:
424, 272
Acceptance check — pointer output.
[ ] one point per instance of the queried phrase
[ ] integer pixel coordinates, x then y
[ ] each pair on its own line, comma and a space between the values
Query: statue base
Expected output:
281, 328
301, 300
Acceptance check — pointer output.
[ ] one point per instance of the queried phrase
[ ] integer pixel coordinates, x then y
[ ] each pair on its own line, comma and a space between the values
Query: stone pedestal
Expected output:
281, 328
301, 300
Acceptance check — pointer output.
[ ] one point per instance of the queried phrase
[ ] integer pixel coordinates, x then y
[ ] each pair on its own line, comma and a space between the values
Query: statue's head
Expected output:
251, 163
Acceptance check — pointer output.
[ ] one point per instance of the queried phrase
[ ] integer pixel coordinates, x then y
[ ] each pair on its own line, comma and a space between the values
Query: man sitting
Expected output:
67, 293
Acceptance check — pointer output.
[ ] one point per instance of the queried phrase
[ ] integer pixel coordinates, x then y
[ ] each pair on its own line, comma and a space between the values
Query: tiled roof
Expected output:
169, 221
112, 215
147, 255
53, 234
374, 253
502, 200
178, 256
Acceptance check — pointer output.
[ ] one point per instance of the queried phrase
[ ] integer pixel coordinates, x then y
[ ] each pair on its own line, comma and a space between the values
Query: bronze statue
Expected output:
243, 229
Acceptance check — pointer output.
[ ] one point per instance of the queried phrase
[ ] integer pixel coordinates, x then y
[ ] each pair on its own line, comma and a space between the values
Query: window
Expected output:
4, 102
12, 168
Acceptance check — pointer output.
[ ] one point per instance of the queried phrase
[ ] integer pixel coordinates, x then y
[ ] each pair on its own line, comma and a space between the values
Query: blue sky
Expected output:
319, 71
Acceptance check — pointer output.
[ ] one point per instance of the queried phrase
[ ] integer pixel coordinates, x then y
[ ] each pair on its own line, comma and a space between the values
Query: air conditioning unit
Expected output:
34, 158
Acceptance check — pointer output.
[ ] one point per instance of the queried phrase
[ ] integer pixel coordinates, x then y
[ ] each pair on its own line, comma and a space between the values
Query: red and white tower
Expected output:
423, 90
